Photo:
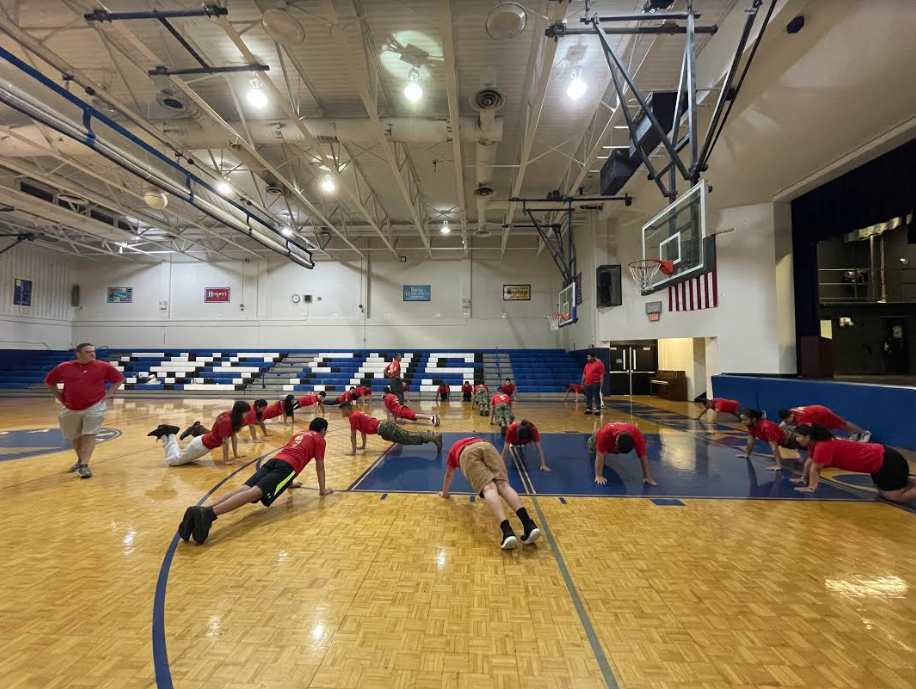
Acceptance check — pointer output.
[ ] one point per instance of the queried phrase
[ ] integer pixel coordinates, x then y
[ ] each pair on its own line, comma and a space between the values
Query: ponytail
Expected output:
239, 409
289, 405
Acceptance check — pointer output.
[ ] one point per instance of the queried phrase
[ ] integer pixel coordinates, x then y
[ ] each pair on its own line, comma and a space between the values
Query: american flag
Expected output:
697, 293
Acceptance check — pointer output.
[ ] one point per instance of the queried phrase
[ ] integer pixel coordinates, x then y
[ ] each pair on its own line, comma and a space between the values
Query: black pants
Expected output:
397, 388
593, 396
466, 396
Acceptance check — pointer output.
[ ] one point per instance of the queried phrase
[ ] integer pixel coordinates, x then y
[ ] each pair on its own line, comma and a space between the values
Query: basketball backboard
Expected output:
676, 234
566, 304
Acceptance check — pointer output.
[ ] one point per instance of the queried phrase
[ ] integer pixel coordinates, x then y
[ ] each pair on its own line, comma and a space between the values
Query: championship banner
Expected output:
516, 292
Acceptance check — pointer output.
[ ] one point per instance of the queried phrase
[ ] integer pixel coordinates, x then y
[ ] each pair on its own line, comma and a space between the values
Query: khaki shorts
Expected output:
77, 422
481, 464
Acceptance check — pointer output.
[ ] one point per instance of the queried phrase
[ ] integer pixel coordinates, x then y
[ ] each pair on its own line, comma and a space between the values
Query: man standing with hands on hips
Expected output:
592, 377
393, 373
84, 398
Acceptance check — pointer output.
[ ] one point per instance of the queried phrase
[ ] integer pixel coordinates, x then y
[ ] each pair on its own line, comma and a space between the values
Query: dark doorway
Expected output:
894, 345
632, 366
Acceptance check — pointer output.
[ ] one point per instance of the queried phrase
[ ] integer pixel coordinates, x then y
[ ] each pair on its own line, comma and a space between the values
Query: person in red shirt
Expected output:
520, 434
592, 376
83, 398
482, 399
393, 373
485, 470
386, 430
224, 430
575, 389
255, 417
466, 391
818, 414
396, 410
718, 405
308, 400
343, 398
362, 393
266, 484
508, 387
442, 392
759, 428
619, 438
888, 468
501, 414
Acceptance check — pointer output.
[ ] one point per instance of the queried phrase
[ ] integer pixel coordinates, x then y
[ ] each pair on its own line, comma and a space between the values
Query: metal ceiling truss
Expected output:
454, 111
686, 91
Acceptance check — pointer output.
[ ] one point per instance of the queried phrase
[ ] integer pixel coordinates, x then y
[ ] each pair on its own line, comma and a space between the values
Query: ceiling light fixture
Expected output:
256, 96
328, 184
445, 229
413, 91
287, 232
577, 86
223, 187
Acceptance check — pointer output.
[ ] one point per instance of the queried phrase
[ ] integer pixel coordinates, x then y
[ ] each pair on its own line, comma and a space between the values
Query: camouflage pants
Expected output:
482, 400
503, 414
592, 443
390, 431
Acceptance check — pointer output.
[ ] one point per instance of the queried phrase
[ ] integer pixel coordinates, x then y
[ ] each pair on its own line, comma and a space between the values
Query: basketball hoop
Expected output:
644, 272
555, 319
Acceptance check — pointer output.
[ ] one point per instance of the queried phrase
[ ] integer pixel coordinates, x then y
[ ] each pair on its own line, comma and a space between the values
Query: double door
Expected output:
631, 368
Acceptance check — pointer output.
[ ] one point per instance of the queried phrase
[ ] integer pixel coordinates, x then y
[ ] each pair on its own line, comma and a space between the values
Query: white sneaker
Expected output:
865, 437
435, 420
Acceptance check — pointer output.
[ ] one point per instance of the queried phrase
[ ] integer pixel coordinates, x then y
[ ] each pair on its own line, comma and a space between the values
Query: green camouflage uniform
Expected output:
390, 431
503, 414
482, 400
593, 443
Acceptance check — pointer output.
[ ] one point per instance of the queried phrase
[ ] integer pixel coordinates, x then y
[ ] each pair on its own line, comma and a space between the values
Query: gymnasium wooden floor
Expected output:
720, 578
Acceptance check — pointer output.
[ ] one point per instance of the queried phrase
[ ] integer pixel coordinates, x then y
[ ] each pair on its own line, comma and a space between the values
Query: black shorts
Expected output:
894, 473
467, 397
272, 478
444, 396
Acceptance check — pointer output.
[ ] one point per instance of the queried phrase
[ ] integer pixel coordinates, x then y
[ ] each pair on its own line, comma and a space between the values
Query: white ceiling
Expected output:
321, 78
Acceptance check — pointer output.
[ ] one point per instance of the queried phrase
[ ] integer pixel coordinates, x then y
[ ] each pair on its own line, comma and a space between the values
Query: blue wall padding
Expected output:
889, 412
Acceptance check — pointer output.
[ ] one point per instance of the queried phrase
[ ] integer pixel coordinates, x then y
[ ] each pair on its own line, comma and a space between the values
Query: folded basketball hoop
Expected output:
644, 272
555, 319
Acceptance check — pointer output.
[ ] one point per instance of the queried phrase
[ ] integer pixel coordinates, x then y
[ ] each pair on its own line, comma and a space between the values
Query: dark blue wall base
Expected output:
888, 412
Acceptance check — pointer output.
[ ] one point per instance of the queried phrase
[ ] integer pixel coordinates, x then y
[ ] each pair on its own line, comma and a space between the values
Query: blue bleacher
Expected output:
20, 369
544, 370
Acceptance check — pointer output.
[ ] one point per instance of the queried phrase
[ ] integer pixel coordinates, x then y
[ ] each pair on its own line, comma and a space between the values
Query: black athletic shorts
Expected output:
894, 473
272, 478
467, 397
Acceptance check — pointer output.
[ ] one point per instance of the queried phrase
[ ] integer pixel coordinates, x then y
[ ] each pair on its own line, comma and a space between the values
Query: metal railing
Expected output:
881, 285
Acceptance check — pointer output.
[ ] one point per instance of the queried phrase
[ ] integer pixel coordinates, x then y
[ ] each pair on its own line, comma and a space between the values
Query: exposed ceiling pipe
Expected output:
486, 101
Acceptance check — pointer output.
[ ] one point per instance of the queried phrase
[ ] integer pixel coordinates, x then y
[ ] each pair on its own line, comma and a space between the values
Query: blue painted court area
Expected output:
31, 442
684, 465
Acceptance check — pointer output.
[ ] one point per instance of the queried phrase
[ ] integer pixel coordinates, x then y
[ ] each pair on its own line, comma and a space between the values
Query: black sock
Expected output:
523, 515
506, 528
212, 512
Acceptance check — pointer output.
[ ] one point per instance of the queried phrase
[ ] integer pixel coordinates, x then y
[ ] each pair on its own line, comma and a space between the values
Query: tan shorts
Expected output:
481, 464
77, 422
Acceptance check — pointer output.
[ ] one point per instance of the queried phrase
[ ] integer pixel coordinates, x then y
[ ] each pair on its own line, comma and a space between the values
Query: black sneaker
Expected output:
156, 433
169, 430
188, 431
588, 411
532, 533
187, 523
203, 519
84, 471
510, 542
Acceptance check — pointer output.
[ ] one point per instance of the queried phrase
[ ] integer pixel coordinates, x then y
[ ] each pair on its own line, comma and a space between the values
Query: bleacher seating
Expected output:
536, 371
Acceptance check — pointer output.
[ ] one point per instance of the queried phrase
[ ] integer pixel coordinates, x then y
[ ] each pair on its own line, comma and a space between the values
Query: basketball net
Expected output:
555, 319
644, 272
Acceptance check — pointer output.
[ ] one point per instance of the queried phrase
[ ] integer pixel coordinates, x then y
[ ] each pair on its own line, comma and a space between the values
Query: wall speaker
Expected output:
607, 279
75, 296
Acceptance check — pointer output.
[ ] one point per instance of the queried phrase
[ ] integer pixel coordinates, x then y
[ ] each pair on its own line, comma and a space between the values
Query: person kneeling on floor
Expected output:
485, 470
267, 483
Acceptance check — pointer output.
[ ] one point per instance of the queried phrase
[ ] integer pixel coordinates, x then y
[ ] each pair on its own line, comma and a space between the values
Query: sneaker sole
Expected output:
510, 543
85, 475
532, 537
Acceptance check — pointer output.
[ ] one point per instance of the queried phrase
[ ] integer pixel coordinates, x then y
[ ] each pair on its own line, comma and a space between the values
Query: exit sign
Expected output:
216, 294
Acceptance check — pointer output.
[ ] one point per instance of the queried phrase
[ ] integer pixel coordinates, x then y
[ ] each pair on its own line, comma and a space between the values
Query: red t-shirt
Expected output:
500, 399
364, 423
575, 387
393, 369
455, 453
362, 391
309, 400
272, 410
443, 389
346, 397
726, 406
251, 417
466, 388
222, 428
768, 431
480, 387
84, 384
301, 449
391, 402
508, 388
817, 413
512, 434
607, 438
849, 456
593, 372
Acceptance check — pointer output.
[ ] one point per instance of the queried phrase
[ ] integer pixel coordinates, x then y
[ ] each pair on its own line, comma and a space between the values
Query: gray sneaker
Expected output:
74, 467
84, 471
865, 437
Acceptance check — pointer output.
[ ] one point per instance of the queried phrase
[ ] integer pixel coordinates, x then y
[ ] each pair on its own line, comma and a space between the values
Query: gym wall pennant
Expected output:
516, 292
216, 295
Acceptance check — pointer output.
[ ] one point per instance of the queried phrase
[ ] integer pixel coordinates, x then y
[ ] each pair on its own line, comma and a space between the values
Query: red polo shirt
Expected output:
84, 384
593, 372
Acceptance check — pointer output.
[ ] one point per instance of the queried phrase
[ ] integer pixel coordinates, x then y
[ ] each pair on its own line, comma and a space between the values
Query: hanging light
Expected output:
445, 229
328, 184
287, 232
577, 86
256, 96
413, 91
223, 187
